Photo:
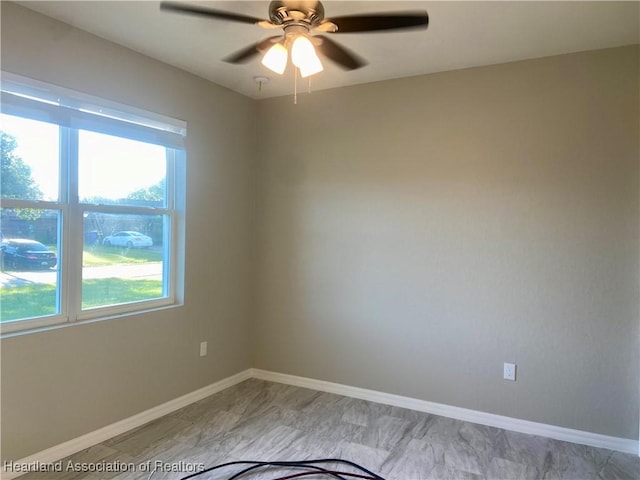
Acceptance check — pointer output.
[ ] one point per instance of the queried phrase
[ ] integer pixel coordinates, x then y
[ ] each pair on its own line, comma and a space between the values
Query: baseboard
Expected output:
474, 416
65, 449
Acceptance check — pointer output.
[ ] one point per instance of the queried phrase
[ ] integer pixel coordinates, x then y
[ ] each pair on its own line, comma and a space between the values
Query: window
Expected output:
92, 210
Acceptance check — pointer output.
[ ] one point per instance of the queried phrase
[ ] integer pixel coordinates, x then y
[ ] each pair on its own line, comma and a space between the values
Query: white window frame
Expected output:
73, 111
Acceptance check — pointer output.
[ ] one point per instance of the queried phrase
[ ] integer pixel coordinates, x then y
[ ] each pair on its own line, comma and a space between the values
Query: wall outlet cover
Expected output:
509, 371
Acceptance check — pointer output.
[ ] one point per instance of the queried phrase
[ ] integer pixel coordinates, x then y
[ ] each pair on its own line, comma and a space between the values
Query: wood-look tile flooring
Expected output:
259, 420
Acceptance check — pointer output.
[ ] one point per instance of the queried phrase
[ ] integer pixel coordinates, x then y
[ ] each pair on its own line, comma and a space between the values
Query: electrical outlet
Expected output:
203, 349
510, 371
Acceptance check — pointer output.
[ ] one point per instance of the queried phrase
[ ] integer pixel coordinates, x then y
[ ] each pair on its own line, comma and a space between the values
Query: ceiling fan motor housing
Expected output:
282, 12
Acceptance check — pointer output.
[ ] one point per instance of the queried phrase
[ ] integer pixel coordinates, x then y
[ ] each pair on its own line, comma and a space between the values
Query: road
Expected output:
149, 270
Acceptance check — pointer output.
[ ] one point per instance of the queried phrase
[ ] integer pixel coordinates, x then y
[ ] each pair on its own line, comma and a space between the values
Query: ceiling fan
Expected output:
299, 20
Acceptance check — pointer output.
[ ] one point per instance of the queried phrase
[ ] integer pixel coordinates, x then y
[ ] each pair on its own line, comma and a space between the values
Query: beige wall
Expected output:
415, 234
59, 384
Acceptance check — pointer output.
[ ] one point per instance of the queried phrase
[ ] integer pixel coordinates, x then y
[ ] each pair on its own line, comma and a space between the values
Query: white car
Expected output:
128, 239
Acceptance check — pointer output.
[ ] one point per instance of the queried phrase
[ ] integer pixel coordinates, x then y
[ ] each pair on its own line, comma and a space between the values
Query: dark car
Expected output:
23, 254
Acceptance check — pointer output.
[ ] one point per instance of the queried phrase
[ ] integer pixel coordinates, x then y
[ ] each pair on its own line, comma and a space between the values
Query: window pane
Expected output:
114, 170
29, 281
30, 159
123, 259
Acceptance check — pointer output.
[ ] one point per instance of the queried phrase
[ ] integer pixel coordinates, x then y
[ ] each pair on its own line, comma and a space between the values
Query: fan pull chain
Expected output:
295, 85
296, 71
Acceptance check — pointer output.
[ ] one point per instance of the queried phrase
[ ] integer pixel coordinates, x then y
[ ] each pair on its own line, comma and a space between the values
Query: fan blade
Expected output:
381, 21
207, 12
247, 53
339, 54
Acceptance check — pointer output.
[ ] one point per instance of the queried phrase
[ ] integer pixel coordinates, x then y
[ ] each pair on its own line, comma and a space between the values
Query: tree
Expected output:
16, 180
154, 193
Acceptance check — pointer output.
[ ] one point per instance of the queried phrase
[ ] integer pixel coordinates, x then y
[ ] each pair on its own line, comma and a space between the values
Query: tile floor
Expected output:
258, 420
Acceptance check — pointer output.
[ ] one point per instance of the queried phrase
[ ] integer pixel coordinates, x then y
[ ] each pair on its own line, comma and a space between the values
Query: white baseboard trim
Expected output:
474, 416
77, 444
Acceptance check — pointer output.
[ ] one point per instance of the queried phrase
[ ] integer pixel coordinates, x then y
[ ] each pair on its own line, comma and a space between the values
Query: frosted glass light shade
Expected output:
276, 58
303, 56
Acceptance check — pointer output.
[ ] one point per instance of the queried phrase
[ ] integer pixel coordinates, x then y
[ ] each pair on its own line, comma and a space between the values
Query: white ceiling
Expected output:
460, 35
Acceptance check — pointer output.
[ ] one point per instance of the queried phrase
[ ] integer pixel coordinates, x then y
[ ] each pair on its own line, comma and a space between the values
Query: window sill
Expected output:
27, 330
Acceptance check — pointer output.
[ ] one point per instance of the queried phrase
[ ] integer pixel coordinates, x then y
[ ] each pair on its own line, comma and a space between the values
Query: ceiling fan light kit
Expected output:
301, 22
303, 54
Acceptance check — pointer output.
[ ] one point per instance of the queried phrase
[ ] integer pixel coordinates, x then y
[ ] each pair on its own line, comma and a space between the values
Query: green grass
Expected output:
40, 299
111, 291
100, 255
27, 301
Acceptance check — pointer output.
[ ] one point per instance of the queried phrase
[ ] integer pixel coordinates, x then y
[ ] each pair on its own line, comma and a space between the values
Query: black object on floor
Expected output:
308, 465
